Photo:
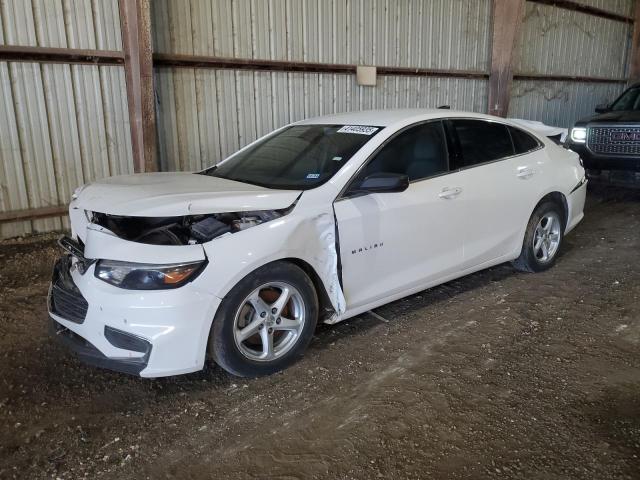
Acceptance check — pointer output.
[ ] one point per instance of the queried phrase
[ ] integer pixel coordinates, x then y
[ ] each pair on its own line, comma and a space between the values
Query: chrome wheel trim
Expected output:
269, 321
546, 237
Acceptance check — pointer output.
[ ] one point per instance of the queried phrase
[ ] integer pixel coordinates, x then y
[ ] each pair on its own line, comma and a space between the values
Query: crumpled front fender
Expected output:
309, 237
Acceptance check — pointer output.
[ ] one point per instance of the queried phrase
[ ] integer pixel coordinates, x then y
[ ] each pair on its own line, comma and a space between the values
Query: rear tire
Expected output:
542, 239
266, 321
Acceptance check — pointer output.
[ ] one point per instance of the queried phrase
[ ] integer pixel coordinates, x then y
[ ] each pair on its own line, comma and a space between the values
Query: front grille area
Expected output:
614, 140
65, 299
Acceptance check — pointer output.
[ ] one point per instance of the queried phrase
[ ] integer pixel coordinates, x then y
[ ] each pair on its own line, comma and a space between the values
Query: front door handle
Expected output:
525, 172
449, 193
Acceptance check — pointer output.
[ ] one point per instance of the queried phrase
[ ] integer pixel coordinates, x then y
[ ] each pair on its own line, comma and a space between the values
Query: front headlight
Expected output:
142, 276
578, 134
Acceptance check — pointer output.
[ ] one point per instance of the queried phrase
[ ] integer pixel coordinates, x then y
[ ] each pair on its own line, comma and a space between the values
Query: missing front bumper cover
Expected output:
89, 354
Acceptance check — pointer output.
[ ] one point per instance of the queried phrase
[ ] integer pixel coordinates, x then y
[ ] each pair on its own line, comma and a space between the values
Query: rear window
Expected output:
481, 141
522, 141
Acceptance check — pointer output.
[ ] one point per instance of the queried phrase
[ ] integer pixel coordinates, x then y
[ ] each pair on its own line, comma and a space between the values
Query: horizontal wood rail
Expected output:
33, 213
589, 10
566, 78
17, 53
14, 53
197, 61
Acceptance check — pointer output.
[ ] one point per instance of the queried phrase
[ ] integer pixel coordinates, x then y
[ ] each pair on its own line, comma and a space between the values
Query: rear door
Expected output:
499, 169
391, 242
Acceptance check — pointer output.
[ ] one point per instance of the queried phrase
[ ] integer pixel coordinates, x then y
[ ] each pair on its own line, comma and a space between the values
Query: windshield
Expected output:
629, 100
298, 157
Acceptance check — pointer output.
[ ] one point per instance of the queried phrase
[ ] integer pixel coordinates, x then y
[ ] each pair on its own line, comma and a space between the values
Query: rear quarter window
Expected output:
523, 142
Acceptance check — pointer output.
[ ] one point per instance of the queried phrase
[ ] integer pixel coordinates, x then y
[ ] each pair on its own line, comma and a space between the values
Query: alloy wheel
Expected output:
546, 238
269, 321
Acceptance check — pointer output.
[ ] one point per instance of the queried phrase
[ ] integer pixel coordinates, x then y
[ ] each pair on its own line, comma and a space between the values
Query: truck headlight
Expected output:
578, 134
142, 276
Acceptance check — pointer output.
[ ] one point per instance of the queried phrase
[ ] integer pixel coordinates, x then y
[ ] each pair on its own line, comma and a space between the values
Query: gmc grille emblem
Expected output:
625, 136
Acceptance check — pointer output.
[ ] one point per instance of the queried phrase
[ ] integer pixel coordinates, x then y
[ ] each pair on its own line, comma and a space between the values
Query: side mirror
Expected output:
603, 108
383, 183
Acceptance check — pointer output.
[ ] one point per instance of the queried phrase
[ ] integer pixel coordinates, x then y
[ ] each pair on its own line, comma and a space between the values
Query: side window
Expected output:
522, 141
418, 152
480, 142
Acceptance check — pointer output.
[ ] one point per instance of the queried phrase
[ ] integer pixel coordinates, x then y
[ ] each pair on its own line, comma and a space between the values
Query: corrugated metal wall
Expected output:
408, 33
559, 103
60, 125
204, 115
562, 42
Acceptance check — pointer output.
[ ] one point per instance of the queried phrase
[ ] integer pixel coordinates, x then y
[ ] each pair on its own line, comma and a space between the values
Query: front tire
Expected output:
266, 321
542, 239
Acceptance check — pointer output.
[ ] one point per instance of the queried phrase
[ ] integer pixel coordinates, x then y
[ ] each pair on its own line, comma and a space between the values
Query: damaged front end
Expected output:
182, 230
155, 253
158, 231
152, 258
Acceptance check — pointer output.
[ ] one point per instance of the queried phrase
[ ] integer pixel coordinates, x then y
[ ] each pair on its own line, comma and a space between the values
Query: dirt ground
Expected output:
499, 374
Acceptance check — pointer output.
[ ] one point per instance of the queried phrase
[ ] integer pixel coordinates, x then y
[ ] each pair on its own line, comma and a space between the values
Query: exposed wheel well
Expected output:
560, 200
324, 302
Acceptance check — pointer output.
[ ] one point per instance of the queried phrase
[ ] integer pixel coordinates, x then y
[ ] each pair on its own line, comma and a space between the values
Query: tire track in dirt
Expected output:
496, 374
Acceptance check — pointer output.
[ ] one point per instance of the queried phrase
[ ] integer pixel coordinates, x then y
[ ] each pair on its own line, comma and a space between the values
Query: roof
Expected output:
385, 118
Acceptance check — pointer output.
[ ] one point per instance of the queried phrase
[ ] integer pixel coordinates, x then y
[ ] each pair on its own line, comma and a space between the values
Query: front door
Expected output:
392, 242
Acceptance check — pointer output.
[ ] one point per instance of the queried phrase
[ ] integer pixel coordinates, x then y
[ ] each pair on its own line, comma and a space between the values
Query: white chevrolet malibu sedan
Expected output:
320, 220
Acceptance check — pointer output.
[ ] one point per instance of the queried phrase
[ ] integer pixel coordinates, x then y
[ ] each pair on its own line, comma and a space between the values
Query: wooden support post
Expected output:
507, 19
135, 21
634, 61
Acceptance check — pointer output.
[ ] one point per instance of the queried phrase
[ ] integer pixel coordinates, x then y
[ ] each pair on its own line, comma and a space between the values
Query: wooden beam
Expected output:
634, 61
18, 53
195, 61
506, 21
589, 10
33, 213
543, 77
135, 20
199, 61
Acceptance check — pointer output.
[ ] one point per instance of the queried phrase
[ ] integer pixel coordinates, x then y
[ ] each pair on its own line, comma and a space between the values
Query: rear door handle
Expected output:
449, 193
525, 172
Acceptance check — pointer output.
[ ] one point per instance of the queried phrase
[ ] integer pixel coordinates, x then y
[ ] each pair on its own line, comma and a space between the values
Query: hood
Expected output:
624, 116
177, 194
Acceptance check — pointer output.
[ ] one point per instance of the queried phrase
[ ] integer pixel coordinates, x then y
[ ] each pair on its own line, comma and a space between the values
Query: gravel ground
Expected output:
499, 374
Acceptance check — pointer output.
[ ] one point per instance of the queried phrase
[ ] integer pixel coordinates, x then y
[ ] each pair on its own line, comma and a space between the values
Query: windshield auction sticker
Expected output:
359, 129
